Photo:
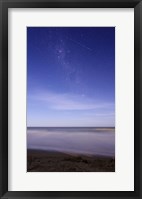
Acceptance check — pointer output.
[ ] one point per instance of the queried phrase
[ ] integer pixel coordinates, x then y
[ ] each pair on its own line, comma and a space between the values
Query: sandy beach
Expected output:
52, 161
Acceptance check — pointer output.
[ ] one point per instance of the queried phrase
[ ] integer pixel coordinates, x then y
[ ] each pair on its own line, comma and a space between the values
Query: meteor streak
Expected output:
81, 45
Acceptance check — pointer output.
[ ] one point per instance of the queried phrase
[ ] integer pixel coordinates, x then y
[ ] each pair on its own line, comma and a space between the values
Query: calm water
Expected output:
100, 141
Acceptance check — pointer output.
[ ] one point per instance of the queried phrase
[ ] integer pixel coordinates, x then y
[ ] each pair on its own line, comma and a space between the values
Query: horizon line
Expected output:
71, 126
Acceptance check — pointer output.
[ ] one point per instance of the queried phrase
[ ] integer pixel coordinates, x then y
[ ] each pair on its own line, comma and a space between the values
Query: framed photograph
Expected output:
70, 99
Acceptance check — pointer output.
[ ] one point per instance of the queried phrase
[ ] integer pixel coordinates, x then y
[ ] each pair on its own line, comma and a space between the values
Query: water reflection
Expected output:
100, 141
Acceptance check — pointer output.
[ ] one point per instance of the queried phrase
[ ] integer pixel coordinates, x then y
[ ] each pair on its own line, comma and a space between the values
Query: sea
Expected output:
79, 140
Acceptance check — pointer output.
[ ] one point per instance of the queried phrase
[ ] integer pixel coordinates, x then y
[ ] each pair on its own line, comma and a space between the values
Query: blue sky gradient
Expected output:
71, 76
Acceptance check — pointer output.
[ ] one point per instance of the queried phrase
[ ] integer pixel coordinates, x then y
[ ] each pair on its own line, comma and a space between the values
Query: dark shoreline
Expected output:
52, 161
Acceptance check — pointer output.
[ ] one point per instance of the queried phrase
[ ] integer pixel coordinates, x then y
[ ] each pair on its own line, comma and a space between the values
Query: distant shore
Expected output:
52, 161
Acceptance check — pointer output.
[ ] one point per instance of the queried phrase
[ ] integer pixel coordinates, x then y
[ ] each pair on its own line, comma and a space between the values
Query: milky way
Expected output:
71, 69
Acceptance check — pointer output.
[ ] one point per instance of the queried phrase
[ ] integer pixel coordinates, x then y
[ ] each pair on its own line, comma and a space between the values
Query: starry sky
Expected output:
71, 76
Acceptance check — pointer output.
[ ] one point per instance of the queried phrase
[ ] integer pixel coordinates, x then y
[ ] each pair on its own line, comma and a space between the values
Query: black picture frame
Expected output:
4, 5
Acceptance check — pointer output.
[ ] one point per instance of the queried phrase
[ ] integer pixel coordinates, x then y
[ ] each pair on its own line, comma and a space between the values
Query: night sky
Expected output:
71, 76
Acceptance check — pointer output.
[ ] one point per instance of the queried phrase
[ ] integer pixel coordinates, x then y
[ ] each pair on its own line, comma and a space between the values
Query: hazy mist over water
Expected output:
84, 140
